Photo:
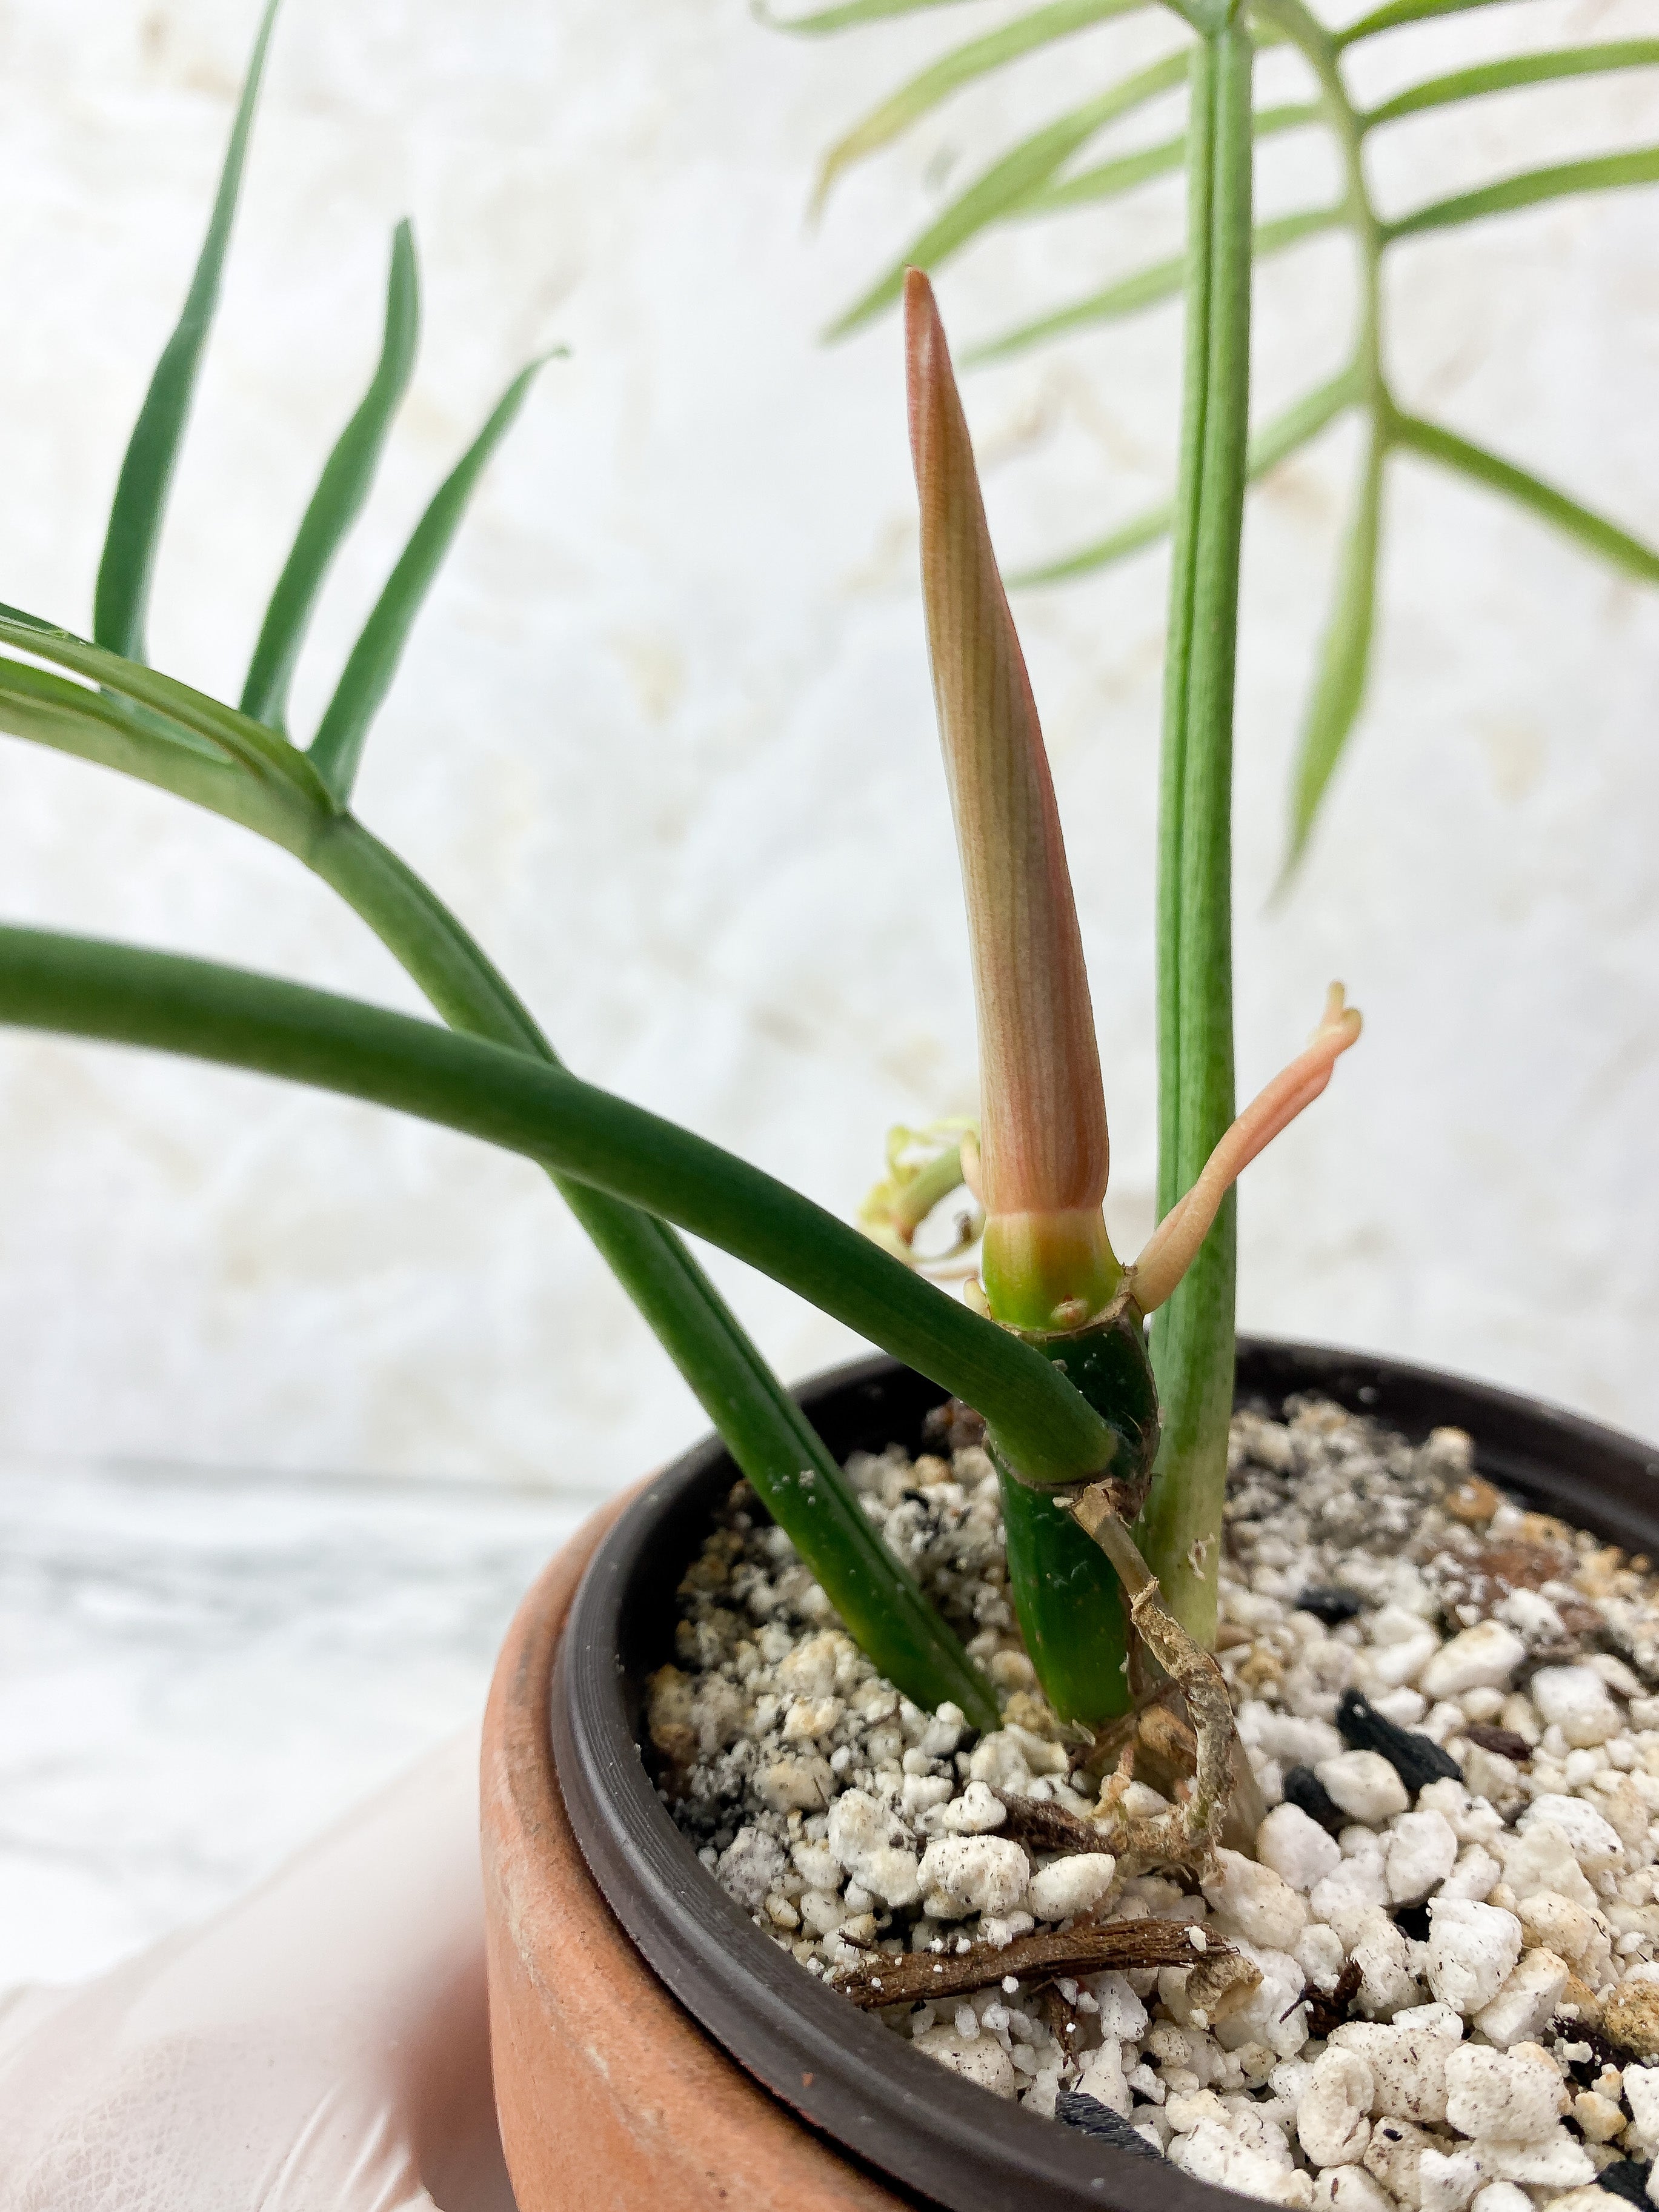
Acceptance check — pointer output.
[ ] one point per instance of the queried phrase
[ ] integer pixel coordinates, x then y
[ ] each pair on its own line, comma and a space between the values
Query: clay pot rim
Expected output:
839, 2069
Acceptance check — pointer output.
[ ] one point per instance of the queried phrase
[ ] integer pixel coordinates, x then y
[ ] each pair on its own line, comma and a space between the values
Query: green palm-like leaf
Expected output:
1060, 19
1519, 69
1604, 173
337, 747
338, 499
1344, 656
122, 602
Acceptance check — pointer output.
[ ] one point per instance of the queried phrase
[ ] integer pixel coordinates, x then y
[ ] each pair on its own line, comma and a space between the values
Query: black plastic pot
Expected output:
927, 2134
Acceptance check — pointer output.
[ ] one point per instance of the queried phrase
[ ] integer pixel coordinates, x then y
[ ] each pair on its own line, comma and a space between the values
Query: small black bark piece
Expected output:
1331, 1606
1412, 1920
1624, 2177
1302, 1787
1076, 2108
1504, 1742
1417, 1759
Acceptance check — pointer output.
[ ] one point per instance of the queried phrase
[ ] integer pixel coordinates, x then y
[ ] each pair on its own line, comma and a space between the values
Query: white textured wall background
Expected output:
664, 738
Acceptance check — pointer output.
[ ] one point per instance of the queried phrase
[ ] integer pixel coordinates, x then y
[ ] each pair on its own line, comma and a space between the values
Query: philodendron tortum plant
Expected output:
1056, 1357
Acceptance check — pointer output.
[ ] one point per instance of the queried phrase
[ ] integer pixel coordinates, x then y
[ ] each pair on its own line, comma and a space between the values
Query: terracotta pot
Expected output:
639, 2019
608, 2093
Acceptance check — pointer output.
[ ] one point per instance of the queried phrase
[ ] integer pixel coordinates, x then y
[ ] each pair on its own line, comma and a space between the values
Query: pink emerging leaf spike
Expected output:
1044, 1146
1173, 1245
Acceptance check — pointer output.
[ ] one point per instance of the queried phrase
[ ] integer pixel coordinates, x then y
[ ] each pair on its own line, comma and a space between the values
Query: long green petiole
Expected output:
81, 986
1193, 1332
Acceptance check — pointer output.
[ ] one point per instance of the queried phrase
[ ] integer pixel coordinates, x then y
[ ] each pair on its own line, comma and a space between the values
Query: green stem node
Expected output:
1036, 1266
1068, 1598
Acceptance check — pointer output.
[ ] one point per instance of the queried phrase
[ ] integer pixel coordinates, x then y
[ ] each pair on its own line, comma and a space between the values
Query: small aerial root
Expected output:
1187, 1833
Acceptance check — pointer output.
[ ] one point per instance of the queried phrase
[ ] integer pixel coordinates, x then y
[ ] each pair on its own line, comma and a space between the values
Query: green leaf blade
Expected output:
125, 571
1398, 13
1345, 651
1108, 181
1273, 442
1005, 188
1532, 188
73, 718
1595, 532
1146, 287
337, 502
1509, 75
164, 699
335, 752
1060, 19
1113, 178
824, 21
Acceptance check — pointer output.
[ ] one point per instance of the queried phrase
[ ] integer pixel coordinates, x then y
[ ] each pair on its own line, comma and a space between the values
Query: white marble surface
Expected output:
665, 739
200, 1670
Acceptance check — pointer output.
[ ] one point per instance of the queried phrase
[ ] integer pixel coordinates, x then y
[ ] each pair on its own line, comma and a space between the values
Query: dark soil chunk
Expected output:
1075, 2108
1332, 1606
1303, 1787
1418, 1759
1624, 2177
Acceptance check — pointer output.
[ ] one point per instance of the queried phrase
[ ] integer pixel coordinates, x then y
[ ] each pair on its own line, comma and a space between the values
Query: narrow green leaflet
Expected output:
1108, 180
1561, 512
1058, 20
1111, 178
84, 987
1605, 172
336, 749
1344, 657
1145, 288
1145, 529
825, 20
338, 499
90, 722
125, 573
1399, 12
1270, 444
112, 733
254, 748
1006, 186
1519, 69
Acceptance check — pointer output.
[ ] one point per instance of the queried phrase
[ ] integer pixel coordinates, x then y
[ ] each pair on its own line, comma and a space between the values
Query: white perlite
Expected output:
1482, 1937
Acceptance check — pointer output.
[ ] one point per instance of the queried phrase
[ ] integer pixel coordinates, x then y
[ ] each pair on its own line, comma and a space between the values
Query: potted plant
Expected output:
916, 1740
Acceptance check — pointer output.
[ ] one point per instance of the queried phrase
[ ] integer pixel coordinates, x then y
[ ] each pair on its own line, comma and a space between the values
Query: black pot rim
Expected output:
921, 2129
